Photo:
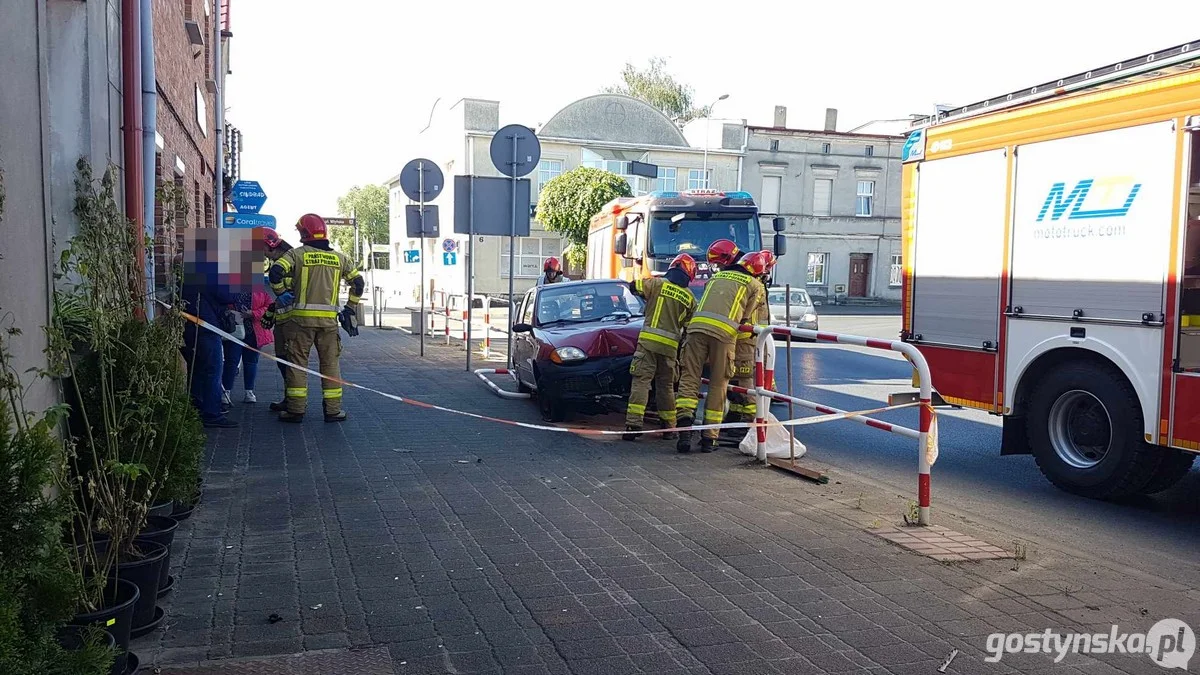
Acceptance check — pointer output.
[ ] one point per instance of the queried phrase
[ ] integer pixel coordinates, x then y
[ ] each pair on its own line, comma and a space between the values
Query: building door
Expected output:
859, 264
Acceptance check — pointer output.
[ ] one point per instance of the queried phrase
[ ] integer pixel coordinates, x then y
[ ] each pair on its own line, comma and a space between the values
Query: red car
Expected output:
572, 345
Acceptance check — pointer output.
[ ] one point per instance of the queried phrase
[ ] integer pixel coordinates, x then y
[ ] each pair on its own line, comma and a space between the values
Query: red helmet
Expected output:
311, 227
723, 252
770, 258
754, 263
686, 263
551, 264
271, 238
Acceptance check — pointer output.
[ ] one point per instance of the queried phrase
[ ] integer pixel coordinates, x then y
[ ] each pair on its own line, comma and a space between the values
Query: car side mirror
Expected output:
780, 244
521, 328
621, 244
779, 224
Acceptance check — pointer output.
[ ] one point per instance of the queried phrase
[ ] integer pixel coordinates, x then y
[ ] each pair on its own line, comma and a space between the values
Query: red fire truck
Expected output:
1052, 268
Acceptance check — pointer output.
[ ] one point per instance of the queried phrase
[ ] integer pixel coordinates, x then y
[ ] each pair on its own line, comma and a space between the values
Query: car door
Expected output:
525, 344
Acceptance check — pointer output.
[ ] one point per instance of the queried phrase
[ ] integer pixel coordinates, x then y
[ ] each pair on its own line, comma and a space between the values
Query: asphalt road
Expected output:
1158, 534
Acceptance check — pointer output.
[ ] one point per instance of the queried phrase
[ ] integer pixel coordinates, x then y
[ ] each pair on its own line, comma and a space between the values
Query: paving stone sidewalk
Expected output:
456, 545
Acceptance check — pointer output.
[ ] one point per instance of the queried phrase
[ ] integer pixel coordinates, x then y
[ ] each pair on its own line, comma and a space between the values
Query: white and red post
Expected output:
764, 368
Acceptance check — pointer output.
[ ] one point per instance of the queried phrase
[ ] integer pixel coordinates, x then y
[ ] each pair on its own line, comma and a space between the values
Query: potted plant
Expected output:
35, 573
119, 373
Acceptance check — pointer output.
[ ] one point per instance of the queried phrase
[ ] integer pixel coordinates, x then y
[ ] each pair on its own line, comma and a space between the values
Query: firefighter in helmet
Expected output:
306, 281
731, 297
551, 272
743, 407
669, 307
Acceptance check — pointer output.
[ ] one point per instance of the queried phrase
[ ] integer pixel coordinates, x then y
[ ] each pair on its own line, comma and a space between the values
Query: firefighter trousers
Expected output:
657, 369
281, 334
699, 350
300, 341
743, 405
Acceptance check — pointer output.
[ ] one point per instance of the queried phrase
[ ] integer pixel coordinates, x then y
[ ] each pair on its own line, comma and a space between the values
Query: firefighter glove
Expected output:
285, 299
348, 317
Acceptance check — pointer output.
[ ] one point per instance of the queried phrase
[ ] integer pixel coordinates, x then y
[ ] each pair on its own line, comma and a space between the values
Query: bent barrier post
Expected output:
483, 373
926, 434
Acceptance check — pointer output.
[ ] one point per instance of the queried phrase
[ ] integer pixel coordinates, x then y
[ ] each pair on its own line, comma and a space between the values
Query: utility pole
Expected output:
707, 124
219, 115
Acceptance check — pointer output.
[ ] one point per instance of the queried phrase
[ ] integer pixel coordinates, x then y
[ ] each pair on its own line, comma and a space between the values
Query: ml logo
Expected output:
1112, 198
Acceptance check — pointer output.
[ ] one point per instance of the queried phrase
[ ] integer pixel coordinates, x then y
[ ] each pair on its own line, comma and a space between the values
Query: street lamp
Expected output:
707, 125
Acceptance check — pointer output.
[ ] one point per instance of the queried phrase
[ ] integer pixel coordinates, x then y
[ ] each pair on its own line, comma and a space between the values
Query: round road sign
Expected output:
411, 180
515, 150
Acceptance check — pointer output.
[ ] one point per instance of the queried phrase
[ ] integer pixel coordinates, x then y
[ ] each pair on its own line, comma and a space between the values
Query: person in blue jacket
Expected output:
207, 297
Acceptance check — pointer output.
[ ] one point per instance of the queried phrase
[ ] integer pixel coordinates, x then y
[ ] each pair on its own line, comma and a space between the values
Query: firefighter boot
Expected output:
630, 437
669, 435
708, 444
279, 406
684, 443
295, 418
339, 416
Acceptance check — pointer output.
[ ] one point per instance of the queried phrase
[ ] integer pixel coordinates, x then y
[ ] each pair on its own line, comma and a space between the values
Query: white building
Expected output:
605, 131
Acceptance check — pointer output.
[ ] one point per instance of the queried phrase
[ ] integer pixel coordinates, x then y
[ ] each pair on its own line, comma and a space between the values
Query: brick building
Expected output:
186, 134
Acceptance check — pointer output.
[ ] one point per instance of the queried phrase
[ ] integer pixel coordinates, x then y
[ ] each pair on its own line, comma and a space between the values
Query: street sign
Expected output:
643, 169
418, 188
515, 150
421, 223
412, 256
338, 221
248, 196
449, 245
249, 220
449, 258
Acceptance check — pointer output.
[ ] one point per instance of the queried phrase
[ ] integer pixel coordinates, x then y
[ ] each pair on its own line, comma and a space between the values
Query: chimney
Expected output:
831, 119
780, 117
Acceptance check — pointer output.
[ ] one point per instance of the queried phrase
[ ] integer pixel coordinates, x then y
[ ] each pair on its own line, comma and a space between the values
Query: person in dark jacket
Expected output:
207, 298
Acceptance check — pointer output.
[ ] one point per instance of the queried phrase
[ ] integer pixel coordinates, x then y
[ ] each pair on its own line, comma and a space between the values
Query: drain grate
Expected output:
375, 661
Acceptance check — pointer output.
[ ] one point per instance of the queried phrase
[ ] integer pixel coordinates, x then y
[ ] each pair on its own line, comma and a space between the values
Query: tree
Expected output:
369, 204
568, 202
656, 86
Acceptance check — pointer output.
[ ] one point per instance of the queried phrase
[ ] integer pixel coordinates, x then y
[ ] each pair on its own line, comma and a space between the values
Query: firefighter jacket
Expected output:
762, 317
314, 276
730, 299
668, 309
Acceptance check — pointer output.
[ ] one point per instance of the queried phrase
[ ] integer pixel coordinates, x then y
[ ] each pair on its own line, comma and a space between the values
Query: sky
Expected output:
329, 95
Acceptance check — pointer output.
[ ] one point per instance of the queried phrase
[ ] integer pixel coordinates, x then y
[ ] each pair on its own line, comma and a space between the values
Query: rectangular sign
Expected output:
449, 258
493, 206
412, 256
338, 221
419, 226
248, 220
644, 169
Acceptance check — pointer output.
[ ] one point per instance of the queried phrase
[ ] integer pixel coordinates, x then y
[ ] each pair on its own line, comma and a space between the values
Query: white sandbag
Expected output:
778, 441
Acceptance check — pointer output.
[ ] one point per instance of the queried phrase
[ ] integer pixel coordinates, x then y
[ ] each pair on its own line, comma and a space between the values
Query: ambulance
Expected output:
1051, 269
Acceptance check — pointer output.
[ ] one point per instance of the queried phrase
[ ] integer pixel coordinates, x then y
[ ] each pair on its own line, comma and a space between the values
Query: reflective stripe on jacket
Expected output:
668, 310
314, 277
762, 317
729, 299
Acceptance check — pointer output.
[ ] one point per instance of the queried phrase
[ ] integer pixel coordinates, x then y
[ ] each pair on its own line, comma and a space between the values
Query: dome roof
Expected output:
614, 117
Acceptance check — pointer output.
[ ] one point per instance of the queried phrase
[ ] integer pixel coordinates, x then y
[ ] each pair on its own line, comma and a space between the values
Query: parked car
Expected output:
572, 345
802, 314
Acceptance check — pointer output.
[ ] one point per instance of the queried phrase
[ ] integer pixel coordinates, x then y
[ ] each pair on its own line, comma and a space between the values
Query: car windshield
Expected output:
582, 303
694, 234
799, 298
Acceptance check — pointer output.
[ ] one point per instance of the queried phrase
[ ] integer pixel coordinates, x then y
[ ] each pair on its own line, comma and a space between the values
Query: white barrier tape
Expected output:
526, 425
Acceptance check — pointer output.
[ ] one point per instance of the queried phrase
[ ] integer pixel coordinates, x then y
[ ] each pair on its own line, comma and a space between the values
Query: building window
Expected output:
772, 186
666, 179
822, 196
698, 179
816, 268
897, 271
870, 151
531, 251
201, 112
548, 170
774, 145
826, 148
866, 197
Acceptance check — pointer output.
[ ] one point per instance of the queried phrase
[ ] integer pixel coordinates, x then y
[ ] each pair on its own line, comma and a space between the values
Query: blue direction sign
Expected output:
248, 196
412, 256
249, 220
449, 258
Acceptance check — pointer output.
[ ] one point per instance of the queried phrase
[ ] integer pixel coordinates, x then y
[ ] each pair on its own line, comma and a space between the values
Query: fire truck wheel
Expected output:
1085, 431
1175, 465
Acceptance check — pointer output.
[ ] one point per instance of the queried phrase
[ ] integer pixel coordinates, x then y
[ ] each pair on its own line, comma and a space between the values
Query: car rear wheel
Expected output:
1085, 431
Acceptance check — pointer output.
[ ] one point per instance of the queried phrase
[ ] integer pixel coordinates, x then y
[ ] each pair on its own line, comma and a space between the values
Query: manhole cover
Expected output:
376, 661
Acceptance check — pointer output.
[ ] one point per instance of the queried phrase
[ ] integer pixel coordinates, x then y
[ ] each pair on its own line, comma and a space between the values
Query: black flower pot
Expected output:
144, 573
74, 638
183, 510
116, 617
163, 509
161, 530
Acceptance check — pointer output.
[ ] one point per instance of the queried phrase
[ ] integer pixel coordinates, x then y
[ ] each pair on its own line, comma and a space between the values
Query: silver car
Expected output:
797, 311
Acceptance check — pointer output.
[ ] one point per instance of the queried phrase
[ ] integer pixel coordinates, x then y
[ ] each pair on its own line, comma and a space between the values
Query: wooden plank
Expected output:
784, 464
